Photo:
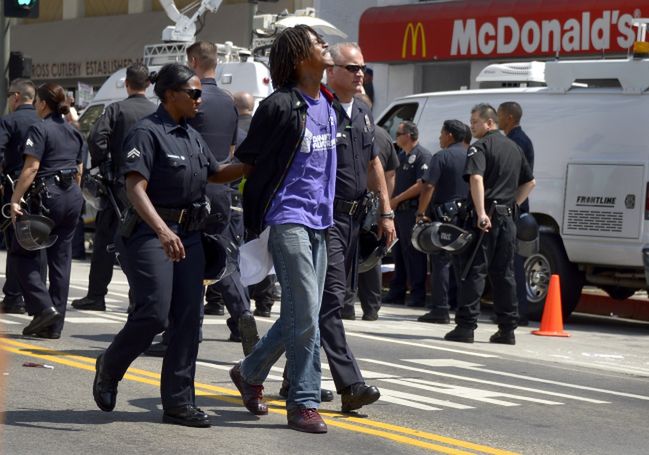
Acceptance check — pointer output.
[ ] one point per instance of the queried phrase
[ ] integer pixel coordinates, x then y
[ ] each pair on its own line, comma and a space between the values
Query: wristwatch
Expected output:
389, 215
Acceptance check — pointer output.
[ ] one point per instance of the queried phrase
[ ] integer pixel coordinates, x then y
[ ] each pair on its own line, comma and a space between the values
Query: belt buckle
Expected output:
353, 208
181, 217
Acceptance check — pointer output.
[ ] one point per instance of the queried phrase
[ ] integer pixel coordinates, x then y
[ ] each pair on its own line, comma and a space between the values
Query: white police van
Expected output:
588, 125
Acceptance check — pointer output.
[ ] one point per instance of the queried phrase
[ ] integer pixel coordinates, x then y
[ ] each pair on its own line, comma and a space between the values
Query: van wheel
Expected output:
551, 259
619, 292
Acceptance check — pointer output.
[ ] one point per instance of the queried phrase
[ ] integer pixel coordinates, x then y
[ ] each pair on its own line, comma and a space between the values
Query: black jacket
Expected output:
275, 134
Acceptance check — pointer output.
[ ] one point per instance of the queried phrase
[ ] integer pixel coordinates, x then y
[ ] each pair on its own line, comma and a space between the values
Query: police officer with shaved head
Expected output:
500, 179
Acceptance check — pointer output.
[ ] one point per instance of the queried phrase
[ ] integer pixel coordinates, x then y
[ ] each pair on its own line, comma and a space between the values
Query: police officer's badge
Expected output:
133, 154
412, 159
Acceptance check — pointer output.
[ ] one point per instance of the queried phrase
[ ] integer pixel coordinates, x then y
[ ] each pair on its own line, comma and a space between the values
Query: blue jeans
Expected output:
300, 257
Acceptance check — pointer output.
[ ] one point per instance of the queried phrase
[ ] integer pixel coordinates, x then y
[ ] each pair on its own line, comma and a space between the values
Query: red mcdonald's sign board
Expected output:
487, 29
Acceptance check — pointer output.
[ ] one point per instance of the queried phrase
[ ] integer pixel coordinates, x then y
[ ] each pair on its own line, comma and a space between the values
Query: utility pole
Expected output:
5, 47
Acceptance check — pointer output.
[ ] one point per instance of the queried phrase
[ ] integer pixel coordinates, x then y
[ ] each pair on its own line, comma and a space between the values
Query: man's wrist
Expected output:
388, 215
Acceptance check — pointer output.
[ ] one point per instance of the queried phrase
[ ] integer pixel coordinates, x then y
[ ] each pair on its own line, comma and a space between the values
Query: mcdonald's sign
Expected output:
412, 34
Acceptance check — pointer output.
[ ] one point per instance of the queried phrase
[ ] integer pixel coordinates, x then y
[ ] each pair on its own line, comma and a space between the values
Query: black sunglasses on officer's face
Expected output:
354, 68
193, 93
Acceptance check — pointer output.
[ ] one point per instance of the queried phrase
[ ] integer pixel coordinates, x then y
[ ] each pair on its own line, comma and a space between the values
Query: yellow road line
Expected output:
395, 433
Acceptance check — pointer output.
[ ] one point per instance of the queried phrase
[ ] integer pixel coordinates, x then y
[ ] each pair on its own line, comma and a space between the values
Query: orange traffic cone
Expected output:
552, 320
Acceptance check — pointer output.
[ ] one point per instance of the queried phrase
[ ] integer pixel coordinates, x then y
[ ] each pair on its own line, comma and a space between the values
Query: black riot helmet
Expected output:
221, 257
33, 232
371, 249
424, 237
93, 191
527, 235
454, 239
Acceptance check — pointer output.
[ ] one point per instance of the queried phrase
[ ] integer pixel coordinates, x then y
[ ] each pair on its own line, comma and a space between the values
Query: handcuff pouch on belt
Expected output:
451, 211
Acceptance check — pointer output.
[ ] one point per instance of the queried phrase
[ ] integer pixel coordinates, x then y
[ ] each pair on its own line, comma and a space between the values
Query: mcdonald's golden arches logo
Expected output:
412, 34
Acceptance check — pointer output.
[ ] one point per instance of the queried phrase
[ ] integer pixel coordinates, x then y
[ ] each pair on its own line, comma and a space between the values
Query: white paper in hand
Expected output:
255, 261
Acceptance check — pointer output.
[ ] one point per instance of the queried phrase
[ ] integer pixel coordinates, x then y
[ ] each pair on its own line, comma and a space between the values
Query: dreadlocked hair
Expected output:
290, 47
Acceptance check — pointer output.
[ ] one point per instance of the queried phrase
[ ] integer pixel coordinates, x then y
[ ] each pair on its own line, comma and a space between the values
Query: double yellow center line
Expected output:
395, 433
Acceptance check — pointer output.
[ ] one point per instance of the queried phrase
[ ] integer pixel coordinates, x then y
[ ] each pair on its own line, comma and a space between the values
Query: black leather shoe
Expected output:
234, 338
89, 304
13, 306
460, 334
156, 350
348, 316
45, 318
416, 303
188, 415
358, 395
373, 316
306, 420
251, 394
104, 389
326, 395
503, 337
214, 309
394, 299
248, 332
434, 318
49, 334
261, 313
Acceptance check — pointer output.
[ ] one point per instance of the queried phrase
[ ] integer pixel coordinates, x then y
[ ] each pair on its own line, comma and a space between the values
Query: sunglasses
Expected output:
193, 93
354, 68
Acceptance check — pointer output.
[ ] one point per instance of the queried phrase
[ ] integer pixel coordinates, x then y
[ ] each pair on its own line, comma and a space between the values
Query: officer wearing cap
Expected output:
13, 134
357, 170
105, 146
444, 185
509, 119
167, 168
409, 264
499, 178
49, 182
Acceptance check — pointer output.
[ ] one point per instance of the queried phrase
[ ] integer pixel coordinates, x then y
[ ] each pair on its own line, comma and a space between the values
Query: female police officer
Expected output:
53, 154
166, 166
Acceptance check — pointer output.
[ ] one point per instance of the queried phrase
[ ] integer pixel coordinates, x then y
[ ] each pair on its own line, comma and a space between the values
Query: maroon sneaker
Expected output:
307, 420
250, 394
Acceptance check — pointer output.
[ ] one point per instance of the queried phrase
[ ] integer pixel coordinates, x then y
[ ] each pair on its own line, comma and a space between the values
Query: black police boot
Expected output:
435, 318
104, 389
90, 304
371, 316
263, 312
188, 416
348, 313
394, 298
358, 395
248, 332
461, 334
156, 350
214, 309
326, 395
43, 320
503, 337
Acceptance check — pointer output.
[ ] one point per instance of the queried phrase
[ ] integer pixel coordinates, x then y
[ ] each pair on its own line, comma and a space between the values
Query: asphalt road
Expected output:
587, 394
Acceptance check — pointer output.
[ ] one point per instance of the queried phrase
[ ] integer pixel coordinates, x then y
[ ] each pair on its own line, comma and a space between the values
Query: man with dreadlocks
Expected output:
291, 144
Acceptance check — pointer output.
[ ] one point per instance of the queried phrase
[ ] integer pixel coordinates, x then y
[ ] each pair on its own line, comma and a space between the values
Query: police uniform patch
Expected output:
29, 142
424, 167
412, 159
472, 151
133, 154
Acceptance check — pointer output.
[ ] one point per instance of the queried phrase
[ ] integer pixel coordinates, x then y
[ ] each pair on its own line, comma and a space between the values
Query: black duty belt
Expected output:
348, 207
173, 215
502, 208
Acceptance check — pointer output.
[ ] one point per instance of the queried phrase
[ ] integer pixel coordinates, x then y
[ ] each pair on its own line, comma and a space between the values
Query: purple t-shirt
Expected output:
307, 194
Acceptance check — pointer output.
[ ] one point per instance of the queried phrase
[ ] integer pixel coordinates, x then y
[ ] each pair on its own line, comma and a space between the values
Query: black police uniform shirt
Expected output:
502, 165
517, 135
412, 167
446, 174
172, 157
56, 144
13, 134
385, 150
107, 135
354, 148
216, 120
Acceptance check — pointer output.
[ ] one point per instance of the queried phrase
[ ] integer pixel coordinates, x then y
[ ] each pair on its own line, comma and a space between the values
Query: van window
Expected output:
89, 117
391, 120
